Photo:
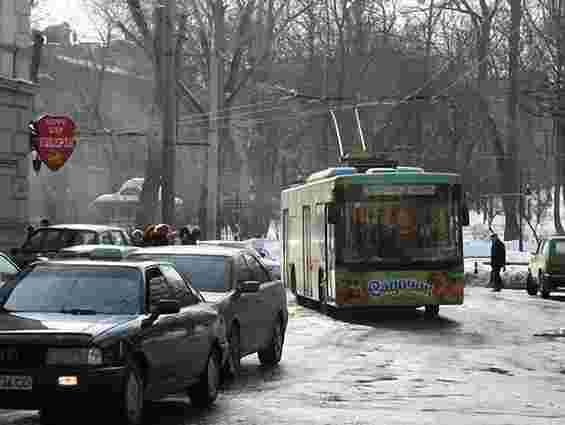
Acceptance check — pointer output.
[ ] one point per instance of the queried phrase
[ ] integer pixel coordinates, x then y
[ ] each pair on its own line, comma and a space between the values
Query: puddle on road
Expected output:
497, 370
552, 333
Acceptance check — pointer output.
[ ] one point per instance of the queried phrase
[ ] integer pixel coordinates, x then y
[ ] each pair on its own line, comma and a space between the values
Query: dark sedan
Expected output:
252, 302
111, 334
48, 241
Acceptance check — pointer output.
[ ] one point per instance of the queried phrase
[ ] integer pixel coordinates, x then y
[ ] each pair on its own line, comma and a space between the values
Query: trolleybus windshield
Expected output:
398, 225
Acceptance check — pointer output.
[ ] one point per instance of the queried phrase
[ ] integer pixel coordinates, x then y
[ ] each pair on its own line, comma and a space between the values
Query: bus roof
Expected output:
399, 175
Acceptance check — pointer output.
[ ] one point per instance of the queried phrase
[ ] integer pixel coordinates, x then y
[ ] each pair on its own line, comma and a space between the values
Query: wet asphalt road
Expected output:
498, 359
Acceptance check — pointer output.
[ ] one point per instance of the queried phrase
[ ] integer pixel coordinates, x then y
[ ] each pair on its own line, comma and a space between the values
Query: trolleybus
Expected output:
362, 236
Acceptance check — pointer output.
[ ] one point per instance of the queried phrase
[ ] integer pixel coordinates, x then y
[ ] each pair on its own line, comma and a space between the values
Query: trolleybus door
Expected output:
320, 253
285, 275
307, 249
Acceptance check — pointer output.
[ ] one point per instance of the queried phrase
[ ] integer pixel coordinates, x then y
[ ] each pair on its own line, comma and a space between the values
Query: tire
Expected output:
531, 286
544, 290
132, 404
234, 364
205, 391
271, 355
432, 310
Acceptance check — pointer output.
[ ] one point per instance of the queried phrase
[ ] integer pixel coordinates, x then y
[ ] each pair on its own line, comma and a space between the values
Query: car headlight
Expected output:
74, 356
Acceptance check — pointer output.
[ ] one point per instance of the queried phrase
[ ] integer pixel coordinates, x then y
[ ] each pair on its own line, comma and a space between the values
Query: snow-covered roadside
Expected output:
514, 277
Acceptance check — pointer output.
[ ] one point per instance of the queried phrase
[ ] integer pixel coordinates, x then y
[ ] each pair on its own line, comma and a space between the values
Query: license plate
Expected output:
14, 382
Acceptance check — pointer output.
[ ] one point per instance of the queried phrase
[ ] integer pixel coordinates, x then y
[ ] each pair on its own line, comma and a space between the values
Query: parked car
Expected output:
252, 302
546, 270
47, 241
272, 264
114, 334
8, 268
96, 252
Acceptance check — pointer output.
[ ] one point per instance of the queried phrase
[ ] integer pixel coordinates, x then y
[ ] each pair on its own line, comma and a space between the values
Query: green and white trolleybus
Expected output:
362, 236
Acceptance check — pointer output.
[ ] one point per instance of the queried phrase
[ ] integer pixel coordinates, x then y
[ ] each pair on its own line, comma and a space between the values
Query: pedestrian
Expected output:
137, 237
30, 229
196, 234
497, 261
186, 237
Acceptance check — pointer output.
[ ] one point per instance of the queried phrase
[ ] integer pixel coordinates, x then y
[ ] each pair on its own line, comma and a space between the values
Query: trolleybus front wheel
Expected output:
432, 310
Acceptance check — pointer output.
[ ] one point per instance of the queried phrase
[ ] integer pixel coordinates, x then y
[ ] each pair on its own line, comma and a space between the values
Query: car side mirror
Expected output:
162, 307
248, 287
167, 307
14, 251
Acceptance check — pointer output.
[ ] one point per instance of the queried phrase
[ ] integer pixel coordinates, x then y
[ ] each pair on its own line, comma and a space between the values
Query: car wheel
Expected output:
272, 354
531, 286
544, 290
133, 400
234, 339
205, 391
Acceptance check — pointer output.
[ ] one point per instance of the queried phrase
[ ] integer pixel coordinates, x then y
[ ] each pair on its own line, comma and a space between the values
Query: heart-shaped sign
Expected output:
56, 140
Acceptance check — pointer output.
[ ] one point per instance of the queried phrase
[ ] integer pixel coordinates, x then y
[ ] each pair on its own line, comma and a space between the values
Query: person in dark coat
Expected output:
186, 237
497, 261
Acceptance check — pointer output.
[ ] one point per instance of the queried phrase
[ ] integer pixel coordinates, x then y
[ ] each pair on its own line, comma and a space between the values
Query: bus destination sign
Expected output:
394, 190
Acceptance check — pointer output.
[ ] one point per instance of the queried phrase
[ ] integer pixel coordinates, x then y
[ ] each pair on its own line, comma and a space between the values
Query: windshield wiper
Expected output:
79, 311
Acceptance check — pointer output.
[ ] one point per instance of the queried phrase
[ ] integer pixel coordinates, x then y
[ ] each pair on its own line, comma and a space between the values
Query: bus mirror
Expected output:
333, 214
464, 215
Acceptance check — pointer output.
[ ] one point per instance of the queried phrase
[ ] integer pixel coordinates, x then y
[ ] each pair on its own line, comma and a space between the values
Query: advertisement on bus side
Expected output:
404, 288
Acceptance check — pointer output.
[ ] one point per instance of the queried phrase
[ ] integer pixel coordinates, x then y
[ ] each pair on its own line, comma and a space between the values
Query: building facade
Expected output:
16, 104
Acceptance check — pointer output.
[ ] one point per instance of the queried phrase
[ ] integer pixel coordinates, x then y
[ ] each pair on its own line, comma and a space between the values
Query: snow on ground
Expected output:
476, 248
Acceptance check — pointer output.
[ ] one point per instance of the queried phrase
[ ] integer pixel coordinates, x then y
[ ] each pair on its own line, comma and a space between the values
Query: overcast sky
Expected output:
72, 11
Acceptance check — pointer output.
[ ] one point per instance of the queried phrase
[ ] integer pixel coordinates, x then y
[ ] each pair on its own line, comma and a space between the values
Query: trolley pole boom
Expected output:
339, 141
361, 135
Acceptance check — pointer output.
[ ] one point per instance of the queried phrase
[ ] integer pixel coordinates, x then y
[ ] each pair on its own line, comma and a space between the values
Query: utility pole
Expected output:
169, 114
215, 123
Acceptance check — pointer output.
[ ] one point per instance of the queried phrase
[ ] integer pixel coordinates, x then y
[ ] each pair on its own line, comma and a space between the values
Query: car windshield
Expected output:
56, 239
393, 224
69, 289
206, 273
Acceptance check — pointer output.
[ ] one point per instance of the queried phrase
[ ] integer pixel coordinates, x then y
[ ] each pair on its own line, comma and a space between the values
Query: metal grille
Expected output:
21, 356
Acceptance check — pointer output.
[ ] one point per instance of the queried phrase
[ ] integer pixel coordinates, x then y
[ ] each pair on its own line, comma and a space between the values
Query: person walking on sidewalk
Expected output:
497, 261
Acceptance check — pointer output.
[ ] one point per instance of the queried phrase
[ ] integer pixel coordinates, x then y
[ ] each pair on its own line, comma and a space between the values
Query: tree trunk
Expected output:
147, 209
557, 208
511, 168
216, 109
557, 132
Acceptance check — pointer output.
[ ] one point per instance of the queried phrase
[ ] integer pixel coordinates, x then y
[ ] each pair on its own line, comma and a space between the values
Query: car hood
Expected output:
56, 323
